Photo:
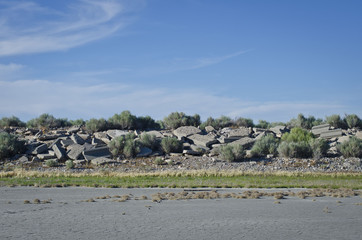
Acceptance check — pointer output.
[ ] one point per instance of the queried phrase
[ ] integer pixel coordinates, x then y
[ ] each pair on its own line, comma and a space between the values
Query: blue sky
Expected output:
257, 59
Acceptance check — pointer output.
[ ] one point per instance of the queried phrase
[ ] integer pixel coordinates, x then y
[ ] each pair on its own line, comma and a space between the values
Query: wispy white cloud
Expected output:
82, 22
30, 98
183, 64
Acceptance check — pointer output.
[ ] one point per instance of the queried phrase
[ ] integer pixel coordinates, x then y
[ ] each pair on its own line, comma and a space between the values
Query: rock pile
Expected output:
76, 144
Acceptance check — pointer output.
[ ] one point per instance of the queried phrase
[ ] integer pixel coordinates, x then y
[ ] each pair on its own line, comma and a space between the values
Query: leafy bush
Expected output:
265, 145
244, 122
295, 149
218, 123
11, 122
352, 121
10, 145
69, 164
96, 125
232, 153
263, 124
124, 146
335, 121
125, 120
176, 119
297, 135
149, 140
170, 144
351, 148
159, 161
303, 122
319, 147
77, 122
51, 163
147, 122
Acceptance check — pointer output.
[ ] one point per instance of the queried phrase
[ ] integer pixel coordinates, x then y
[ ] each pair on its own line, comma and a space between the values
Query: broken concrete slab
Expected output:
116, 133
209, 129
59, 152
84, 136
191, 152
144, 152
279, 130
343, 139
331, 133
245, 142
76, 139
66, 142
103, 136
156, 133
199, 148
186, 131
317, 130
202, 140
359, 135
98, 142
49, 137
73, 129
102, 161
96, 153
76, 152
239, 132
45, 156
40, 149
224, 139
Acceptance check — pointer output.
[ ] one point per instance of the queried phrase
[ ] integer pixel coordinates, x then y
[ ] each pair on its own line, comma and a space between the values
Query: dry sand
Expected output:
69, 217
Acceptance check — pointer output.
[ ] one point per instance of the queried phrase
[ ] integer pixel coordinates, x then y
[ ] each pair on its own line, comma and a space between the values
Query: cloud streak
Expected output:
82, 22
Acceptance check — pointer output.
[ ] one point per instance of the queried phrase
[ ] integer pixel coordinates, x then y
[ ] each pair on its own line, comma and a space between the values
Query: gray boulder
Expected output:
67, 142
331, 133
156, 133
73, 129
75, 152
144, 152
317, 130
102, 136
359, 135
45, 156
245, 142
59, 151
102, 161
202, 140
116, 133
278, 130
76, 139
40, 149
239, 133
186, 131
96, 153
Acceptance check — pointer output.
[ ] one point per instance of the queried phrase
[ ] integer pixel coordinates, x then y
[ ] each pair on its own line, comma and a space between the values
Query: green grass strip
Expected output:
185, 181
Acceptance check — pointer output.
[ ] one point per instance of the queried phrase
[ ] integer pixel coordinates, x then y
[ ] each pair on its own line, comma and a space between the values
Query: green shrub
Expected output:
96, 125
69, 164
77, 122
295, 149
303, 122
244, 122
11, 122
352, 121
351, 148
143, 123
51, 163
297, 135
319, 147
232, 153
265, 145
218, 123
159, 161
176, 119
124, 146
10, 145
170, 144
335, 121
263, 124
149, 140
125, 120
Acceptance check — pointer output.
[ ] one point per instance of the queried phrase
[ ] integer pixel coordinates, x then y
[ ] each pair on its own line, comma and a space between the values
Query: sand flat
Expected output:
68, 216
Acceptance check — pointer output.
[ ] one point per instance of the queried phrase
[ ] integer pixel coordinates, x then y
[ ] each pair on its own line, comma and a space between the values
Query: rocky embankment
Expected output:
90, 152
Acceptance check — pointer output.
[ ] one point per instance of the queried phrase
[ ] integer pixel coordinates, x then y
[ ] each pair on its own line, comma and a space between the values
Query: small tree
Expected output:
232, 153
10, 145
96, 125
351, 148
170, 144
352, 121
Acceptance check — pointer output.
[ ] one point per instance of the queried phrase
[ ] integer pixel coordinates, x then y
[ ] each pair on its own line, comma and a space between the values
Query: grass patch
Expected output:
186, 179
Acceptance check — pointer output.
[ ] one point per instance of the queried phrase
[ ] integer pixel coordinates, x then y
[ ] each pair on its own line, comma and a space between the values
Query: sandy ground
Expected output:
69, 217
